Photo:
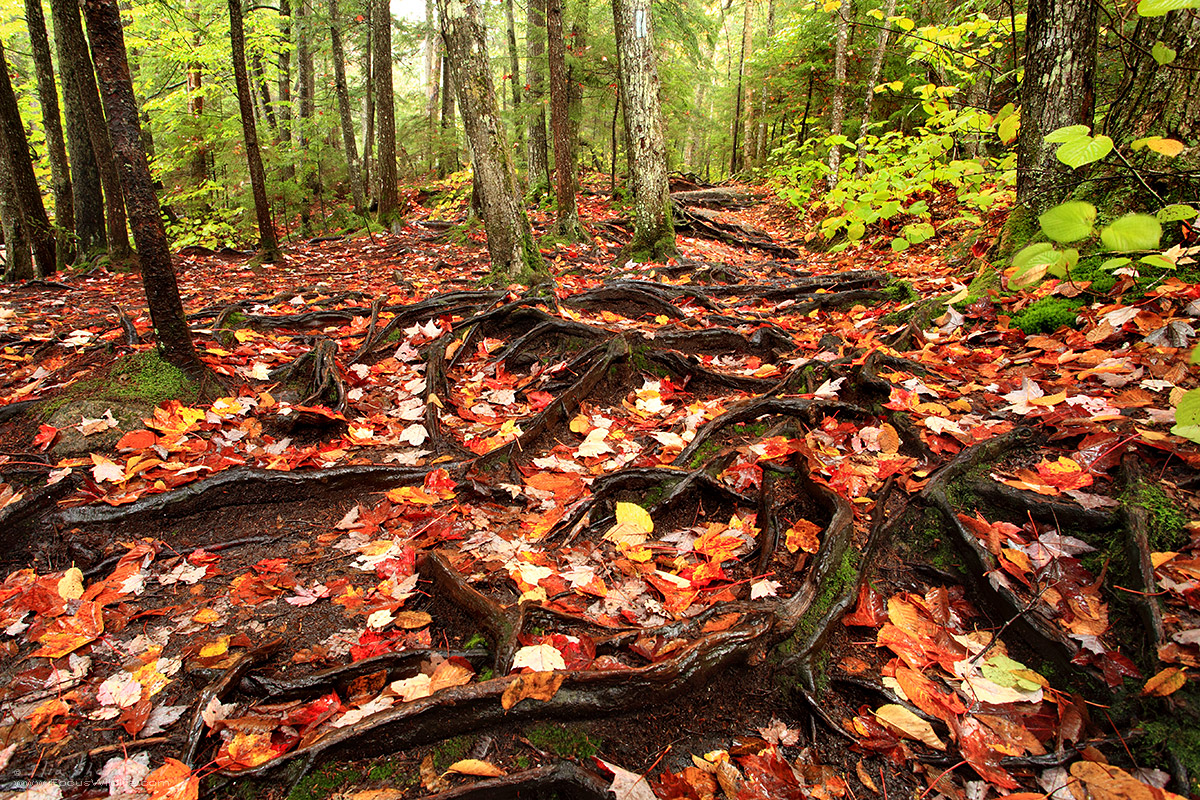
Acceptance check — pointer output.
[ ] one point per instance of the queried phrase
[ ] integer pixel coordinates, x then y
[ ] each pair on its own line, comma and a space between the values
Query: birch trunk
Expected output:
837, 113
653, 229
510, 243
885, 29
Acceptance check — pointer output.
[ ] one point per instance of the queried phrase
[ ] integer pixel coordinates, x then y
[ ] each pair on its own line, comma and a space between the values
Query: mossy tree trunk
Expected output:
514, 77
1058, 90
19, 165
537, 154
514, 256
433, 83
566, 224
837, 112
18, 258
86, 196
1162, 100
343, 99
646, 146
56, 148
385, 116
158, 275
268, 243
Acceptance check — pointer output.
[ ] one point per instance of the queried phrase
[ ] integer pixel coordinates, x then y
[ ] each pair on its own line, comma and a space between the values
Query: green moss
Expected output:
1178, 737
900, 292
384, 771
325, 781
146, 376
1048, 315
836, 583
1020, 229
1167, 522
449, 751
564, 741
477, 640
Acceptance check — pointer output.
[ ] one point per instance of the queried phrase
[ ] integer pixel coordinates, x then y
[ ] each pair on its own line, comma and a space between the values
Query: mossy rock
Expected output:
131, 388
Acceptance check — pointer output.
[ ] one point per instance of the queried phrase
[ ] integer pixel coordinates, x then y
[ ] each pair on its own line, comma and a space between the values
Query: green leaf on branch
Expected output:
1068, 222
1007, 130
1033, 262
1115, 263
900, 244
1084, 150
1132, 232
1157, 260
1162, 54
1195, 357
1175, 213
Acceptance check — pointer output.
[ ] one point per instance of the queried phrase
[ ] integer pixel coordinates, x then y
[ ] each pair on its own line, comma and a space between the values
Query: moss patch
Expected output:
325, 781
564, 741
1167, 522
1047, 315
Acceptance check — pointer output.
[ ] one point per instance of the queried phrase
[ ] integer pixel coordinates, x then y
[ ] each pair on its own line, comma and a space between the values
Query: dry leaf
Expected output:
473, 766
1166, 682
906, 723
536, 685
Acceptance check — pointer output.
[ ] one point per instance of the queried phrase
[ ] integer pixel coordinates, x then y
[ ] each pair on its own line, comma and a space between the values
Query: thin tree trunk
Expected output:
368, 103
575, 72
566, 223
268, 244
14, 148
513, 254
88, 201
433, 75
343, 98
653, 230
537, 157
18, 258
763, 95
837, 113
889, 10
285, 89
448, 160
198, 162
389, 199
1058, 90
56, 148
514, 77
264, 89
158, 275
735, 155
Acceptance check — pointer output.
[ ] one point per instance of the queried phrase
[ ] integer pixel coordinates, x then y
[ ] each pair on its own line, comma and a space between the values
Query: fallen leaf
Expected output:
535, 685
474, 766
906, 723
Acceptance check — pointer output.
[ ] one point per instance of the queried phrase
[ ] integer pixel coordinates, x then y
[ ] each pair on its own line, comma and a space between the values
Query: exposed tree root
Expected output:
707, 224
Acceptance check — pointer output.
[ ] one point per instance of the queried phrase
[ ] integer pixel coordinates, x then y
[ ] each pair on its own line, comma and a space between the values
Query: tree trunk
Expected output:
86, 197
56, 148
385, 112
566, 224
18, 258
264, 89
198, 162
158, 276
1058, 90
837, 113
575, 73
433, 75
343, 98
268, 244
81, 65
889, 10
514, 78
761, 132
510, 244
14, 147
735, 154
537, 150
368, 103
448, 159
1154, 100
653, 230
285, 89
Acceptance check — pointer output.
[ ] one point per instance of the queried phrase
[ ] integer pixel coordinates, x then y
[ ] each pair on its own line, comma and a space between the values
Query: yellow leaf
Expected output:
1168, 681
70, 585
906, 723
473, 766
1166, 147
214, 649
533, 685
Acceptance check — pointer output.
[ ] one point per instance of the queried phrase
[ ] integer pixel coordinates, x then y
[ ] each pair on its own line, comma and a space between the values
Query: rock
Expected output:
127, 414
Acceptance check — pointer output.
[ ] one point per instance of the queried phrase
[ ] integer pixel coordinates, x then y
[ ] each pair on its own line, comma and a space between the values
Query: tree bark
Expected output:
433, 75
285, 89
885, 27
514, 78
158, 275
368, 102
268, 244
761, 132
18, 258
837, 113
343, 98
735, 155
80, 64
385, 112
19, 164
56, 148
86, 197
264, 88
537, 157
566, 224
575, 74
447, 141
653, 230
513, 254
195, 106
1058, 90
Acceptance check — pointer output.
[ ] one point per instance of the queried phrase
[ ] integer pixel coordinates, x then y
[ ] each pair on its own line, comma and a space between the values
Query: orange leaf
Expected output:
71, 633
173, 781
536, 685
1166, 682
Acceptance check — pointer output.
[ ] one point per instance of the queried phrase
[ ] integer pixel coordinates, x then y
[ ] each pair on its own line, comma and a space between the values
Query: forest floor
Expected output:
747, 525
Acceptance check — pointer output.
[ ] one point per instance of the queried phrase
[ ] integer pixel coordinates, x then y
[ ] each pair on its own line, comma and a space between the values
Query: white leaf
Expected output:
352, 716
41, 791
414, 434
161, 718
628, 785
764, 588
539, 658
829, 389
594, 444
125, 775
350, 521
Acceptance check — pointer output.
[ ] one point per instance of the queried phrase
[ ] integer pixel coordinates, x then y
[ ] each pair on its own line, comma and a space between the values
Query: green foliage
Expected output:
1187, 416
1077, 147
1047, 315
1157, 8
450, 751
564, 741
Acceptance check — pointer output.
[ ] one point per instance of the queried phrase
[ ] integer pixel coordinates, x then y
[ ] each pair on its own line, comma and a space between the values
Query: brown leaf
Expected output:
1166, 682
411, 620
865, 777
1105, 782
536, 685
